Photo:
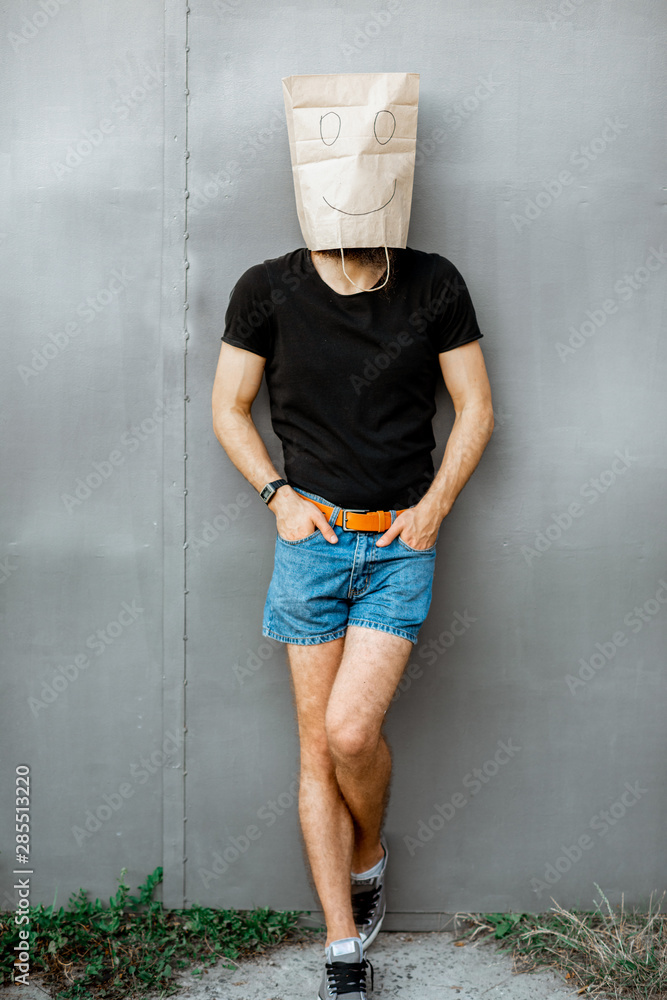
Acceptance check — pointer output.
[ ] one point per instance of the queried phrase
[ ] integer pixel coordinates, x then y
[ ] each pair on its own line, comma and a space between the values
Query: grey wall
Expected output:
540, 145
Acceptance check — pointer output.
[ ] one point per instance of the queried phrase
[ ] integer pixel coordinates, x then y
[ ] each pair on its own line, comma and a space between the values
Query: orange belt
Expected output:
354, 520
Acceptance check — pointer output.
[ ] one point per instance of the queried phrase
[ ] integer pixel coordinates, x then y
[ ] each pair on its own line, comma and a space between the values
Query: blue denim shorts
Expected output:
318, 588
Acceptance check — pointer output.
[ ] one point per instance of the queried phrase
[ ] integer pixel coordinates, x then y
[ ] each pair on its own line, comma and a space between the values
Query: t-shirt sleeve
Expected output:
248, 322
455, 322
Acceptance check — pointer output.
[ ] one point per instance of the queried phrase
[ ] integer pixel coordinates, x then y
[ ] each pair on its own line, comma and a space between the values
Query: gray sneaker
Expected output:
345, 971
368, 903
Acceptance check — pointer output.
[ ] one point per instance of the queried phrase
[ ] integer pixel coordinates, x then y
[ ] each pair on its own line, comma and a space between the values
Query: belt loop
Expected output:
334, 514
393, 516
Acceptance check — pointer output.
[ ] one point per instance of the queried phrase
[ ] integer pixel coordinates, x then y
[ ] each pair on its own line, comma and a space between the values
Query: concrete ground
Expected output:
412, 966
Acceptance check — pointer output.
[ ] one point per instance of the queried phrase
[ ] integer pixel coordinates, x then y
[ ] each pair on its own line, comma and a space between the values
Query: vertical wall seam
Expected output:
175, 528
186, 400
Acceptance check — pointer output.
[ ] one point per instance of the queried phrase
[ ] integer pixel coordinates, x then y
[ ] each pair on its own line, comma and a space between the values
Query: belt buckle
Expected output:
351, 511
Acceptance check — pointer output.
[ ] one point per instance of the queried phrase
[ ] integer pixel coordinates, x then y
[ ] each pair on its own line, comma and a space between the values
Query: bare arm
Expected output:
237, 381
465, 376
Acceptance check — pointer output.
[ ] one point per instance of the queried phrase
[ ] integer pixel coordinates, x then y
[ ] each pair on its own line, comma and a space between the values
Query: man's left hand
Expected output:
417, 526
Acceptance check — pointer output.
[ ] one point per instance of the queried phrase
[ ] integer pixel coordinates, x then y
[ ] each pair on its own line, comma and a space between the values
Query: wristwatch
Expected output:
272, 488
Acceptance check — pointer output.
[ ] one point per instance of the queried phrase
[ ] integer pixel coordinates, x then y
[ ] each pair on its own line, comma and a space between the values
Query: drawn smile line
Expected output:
364, 213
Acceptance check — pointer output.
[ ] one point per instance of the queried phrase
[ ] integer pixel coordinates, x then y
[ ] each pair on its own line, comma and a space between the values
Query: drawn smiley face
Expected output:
384, 126
352, 140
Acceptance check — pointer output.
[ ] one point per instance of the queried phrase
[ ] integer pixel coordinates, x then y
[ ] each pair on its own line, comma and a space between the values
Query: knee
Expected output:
350, 741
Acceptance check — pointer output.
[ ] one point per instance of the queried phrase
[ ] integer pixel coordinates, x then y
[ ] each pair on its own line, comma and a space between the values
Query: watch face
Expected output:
267, 492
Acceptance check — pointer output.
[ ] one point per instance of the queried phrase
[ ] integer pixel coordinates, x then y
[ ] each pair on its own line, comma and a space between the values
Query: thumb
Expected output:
324, 526
390, 534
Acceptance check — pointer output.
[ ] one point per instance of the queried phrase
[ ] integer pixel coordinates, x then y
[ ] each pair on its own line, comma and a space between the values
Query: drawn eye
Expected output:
329, 128
384, 125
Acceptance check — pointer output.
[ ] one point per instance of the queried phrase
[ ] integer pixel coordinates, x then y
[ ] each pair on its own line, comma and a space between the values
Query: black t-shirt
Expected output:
352, 378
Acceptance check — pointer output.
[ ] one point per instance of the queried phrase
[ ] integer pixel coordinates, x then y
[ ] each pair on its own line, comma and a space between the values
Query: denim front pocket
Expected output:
409, 548
299, 541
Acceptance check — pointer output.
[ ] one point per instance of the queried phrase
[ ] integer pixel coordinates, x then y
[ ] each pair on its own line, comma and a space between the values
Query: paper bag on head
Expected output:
352, 142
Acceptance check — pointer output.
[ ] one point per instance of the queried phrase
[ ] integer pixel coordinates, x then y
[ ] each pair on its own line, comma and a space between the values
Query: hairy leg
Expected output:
371, 667
325, 819
342, 690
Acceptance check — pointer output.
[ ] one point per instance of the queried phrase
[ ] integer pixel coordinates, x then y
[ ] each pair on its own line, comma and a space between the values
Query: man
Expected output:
352, 339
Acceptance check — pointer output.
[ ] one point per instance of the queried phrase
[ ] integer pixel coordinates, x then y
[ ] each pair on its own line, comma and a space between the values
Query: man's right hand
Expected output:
296, 517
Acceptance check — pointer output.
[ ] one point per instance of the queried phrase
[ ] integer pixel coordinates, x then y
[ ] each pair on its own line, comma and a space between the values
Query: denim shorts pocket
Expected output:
299, 541
409, 548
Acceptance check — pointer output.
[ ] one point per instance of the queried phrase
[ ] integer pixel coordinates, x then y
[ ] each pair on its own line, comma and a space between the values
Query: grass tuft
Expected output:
603, 952
134, 946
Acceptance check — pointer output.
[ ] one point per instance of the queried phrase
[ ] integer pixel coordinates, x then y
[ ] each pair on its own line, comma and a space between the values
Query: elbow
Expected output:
219, 432
222, 431
488, 421
220, 422
225, 421
486, 426
479, 416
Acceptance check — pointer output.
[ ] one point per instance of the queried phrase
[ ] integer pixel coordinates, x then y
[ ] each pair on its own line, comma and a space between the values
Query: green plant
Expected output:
602, 952
134, 945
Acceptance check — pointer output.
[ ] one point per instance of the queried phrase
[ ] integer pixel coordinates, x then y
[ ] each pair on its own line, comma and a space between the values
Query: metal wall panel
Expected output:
89, 419
511, 96
538, 174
